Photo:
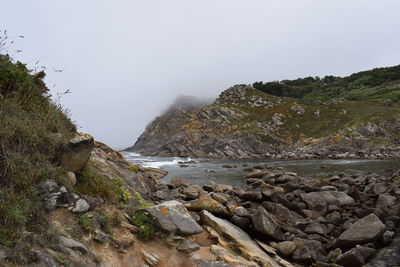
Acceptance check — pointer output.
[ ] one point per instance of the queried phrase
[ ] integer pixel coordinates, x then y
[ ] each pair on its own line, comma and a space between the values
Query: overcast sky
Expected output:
124, 61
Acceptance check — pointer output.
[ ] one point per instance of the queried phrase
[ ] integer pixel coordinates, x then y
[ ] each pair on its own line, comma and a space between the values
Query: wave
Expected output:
152, 162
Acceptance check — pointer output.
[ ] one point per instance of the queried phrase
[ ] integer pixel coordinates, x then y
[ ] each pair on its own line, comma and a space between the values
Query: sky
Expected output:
125, 61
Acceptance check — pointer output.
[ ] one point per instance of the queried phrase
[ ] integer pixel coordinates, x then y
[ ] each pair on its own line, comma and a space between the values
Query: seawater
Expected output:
212, 170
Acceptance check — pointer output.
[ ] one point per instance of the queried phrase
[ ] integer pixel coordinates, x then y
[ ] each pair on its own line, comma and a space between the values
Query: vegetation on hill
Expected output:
32, 130
372, 84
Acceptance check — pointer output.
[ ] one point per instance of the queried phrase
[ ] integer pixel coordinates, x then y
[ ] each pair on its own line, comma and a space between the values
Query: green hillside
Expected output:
379, 83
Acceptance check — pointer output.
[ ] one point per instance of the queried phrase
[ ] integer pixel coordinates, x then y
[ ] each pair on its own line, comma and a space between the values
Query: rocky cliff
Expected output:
244, 122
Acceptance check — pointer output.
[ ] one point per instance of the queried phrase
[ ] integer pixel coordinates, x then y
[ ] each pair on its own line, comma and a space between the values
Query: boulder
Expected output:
179, 182
266, 225
385, 200
80, 206
366, 230
193, 191
221, 197
355, 257
240, 240
285, 248
77, 152
257, 174
320, 200
209, 204
172, 216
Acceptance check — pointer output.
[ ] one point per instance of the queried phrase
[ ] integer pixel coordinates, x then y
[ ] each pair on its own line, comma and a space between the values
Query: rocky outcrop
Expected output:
76, 153
173, 217
246, 123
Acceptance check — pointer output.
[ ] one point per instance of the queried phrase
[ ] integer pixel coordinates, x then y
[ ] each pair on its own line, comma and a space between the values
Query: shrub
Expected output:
91, 183
144, 223
86, 223
133, 168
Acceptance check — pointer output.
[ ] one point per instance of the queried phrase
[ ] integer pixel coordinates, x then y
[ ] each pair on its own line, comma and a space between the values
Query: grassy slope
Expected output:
29, 122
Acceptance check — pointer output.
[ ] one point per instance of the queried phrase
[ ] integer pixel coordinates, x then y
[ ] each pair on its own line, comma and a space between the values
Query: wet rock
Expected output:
188, 246
172, 216
355, 257
265, 224
209, 204
257, 174
229, 166
180, 182
366, 230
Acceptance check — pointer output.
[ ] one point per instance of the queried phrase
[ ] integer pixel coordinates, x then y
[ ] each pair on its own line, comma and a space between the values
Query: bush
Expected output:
144, 223
92, 184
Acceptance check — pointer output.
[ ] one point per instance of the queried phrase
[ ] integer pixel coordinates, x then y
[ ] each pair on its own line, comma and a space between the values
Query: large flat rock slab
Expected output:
173, 217
242, 241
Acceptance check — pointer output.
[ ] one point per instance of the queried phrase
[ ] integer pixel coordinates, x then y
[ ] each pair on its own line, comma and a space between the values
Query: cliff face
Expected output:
244, 122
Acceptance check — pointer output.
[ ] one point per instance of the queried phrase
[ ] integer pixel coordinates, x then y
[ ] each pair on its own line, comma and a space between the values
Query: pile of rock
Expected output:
342, 220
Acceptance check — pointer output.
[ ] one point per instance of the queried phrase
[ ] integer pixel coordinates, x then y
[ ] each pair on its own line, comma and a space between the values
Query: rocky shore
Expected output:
278, 219
282, 219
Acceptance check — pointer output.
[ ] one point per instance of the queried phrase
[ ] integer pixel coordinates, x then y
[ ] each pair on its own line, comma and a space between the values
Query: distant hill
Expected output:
352, 117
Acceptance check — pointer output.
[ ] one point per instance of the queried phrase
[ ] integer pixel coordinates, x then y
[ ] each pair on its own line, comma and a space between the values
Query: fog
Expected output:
126, 61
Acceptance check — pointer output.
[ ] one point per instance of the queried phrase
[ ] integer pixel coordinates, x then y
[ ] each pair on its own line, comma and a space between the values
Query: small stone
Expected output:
71, 177
81, 206
151, 259
73, 244
286, 248
188, 246
387, 237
